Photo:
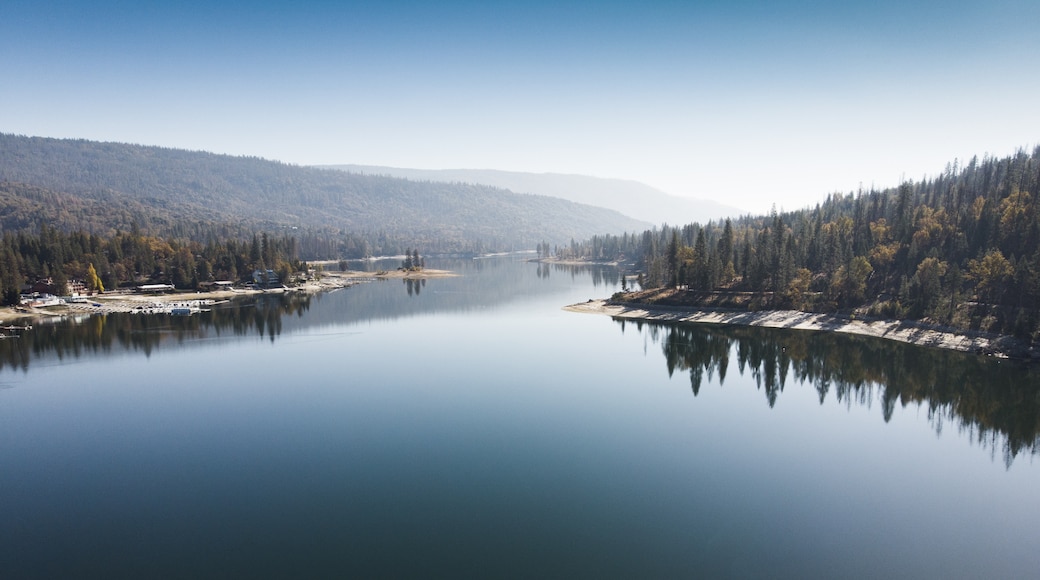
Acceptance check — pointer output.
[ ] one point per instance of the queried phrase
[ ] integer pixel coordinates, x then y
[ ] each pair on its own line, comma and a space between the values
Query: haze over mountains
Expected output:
630, 198
102, 187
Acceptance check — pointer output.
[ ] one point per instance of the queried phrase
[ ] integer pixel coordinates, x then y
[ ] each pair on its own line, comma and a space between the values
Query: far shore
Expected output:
406, 274
898, 330
119, 301
576, 262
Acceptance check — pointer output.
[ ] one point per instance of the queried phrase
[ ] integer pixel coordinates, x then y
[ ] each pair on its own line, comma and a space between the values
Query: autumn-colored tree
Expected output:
990, 274
93, 280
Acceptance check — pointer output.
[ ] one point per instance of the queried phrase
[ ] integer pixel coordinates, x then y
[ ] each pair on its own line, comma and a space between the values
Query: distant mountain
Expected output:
79, 184
631, 198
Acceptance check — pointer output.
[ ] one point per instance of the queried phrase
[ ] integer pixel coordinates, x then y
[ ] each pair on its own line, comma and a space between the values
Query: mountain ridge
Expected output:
628, 197
113, 186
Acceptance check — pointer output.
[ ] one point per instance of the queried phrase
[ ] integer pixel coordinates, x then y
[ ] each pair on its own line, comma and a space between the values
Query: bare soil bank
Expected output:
899, 330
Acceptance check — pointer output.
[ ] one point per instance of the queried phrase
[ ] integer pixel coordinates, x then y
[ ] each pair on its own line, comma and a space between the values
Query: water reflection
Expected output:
544, 270
414, 286
996, 402
262, 315
601, 275
481, 284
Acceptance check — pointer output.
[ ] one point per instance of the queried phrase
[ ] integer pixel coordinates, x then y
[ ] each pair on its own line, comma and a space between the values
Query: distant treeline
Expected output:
27, 208
962, 248
131, 257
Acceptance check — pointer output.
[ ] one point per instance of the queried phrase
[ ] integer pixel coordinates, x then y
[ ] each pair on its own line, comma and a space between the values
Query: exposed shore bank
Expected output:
898, 330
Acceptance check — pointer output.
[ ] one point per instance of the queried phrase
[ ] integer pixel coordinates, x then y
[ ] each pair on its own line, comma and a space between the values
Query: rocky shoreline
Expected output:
898, 330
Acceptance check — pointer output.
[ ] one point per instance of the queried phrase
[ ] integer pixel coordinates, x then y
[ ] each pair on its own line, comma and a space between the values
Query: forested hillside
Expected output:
631, 198
961, 248
104, 188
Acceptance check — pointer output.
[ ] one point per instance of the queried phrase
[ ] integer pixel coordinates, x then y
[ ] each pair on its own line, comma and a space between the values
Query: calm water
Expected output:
470, 427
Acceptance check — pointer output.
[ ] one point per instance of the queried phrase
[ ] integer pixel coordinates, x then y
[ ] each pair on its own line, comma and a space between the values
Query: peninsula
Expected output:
950, 261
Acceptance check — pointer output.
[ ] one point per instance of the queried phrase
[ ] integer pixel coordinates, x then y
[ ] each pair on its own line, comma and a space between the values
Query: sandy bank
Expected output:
902, 331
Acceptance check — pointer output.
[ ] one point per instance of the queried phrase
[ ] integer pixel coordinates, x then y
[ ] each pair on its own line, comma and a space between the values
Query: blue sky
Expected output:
748, 103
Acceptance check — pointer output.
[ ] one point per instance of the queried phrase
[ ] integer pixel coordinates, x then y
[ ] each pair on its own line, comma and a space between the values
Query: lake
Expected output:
469, 427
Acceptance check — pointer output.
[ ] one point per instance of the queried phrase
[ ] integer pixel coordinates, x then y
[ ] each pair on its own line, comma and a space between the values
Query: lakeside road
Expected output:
898, 330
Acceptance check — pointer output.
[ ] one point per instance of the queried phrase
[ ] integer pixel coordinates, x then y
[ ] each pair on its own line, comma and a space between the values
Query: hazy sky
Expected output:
748, 103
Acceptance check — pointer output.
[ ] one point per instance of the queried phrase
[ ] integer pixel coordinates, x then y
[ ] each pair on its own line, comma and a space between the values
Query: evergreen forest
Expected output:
961, 248
129, 258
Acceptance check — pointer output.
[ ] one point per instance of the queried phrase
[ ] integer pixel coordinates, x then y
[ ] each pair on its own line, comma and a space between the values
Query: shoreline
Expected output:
391, 274
575, 262
111, 302
915, 333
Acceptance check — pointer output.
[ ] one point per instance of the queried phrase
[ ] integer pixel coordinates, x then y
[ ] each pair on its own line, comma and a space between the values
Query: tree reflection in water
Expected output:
997, 402
602, 275
145, 332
